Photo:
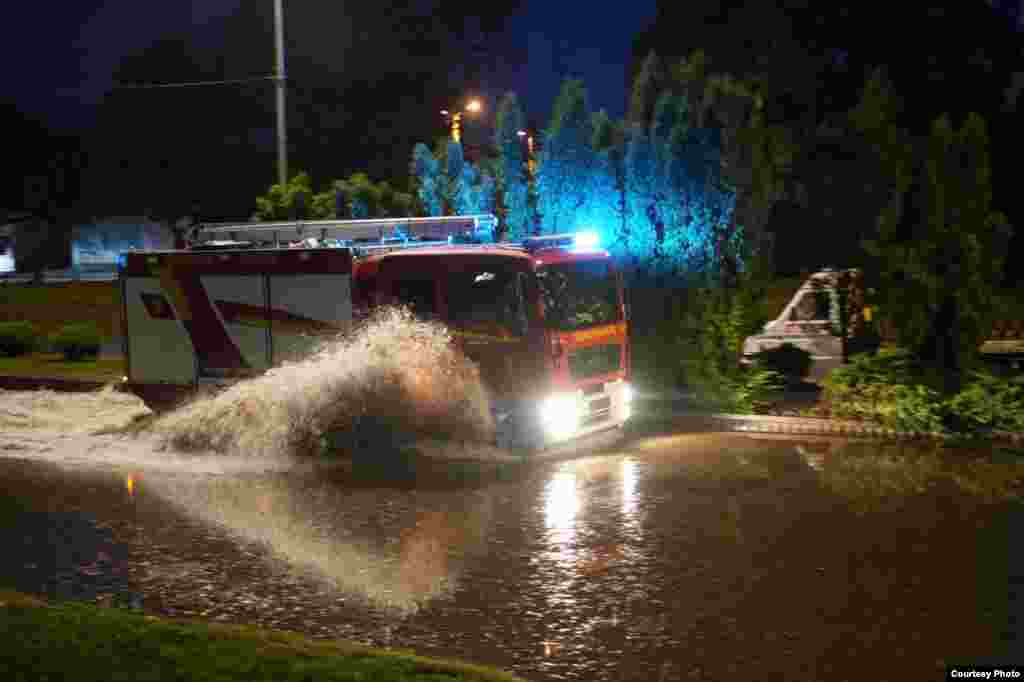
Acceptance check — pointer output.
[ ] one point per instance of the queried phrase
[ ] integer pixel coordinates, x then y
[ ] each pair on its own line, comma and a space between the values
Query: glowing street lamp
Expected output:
473, 106
531, 164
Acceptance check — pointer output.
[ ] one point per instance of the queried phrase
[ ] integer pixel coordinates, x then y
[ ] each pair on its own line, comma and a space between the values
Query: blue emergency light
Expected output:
586, 240
577, 241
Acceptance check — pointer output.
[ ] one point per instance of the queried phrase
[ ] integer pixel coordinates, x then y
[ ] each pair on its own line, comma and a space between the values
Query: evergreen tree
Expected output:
511, 177
677, 200
427, 180
454, 196
567, 162
648, 85
940, 250
476, 191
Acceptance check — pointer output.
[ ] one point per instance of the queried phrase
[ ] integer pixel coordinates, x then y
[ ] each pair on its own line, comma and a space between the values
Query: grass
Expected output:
51, 306
53, 365
75, 641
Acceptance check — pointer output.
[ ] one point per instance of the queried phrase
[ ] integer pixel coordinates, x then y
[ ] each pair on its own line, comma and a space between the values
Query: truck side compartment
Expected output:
193, 318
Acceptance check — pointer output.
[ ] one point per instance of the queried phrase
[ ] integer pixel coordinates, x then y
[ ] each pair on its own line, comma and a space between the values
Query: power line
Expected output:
146, 86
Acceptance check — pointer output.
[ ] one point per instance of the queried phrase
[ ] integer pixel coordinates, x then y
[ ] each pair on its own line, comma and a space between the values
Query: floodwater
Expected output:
663, 557
674, 557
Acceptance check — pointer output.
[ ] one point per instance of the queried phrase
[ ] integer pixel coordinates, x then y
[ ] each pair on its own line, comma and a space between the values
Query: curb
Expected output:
817, 426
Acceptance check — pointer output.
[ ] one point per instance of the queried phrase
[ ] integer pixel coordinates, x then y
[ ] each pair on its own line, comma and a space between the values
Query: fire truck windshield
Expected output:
487, 300
578, 295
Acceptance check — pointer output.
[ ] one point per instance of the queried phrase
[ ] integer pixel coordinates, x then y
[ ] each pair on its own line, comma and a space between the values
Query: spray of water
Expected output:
68, 413
397, 373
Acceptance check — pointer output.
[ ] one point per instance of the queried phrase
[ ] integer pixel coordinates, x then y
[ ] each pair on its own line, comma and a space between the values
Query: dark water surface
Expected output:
685, 557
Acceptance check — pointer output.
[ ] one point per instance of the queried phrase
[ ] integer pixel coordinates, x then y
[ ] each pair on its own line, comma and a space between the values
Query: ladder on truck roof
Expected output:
435, 229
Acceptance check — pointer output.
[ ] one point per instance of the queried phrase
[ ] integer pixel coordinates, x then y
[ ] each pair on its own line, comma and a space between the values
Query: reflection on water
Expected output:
561, 503
872, 476
701, 556
629, 494
336, 535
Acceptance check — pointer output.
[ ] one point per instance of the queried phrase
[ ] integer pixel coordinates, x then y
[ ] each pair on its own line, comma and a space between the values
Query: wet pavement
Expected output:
681, 557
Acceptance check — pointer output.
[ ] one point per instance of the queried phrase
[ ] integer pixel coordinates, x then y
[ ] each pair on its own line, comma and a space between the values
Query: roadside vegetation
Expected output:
69, 352
82, 642
51, 306
54, 365
892, 388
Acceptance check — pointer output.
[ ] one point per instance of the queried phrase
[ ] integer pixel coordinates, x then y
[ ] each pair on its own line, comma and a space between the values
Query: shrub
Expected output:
885, 388
990, 402
888, 388
754, 389
888, 366
18, 338
787, 360
78, 341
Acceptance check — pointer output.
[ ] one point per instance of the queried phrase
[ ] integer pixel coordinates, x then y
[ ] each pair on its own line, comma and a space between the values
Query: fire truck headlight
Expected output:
560, 414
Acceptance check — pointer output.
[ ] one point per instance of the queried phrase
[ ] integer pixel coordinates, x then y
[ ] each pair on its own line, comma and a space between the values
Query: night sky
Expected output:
65, 59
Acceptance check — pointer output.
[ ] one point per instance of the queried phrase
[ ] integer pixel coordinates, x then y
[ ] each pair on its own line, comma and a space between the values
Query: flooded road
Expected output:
682, 557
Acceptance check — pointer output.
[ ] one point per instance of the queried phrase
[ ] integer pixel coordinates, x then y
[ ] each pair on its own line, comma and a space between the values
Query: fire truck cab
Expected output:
544, 319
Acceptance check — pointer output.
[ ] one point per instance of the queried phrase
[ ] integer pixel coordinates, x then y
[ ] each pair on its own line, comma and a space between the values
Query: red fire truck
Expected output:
545, 319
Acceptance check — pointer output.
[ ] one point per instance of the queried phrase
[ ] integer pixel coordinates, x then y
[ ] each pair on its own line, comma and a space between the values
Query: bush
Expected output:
886, 389
78, 341
754, 389
888, 366
787, 360
18, 338
990, 402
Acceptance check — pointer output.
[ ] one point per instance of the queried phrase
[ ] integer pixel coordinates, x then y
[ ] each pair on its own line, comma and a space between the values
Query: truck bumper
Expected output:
521, 426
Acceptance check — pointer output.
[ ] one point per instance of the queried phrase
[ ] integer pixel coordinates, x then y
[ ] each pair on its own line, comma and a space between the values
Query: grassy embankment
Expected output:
51, 306
76, 641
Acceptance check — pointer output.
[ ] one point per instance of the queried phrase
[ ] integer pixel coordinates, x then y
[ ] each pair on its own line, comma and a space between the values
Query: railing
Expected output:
429, 228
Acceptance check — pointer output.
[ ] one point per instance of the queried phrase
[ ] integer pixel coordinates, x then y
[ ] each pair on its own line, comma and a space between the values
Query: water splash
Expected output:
70, 413
394, 376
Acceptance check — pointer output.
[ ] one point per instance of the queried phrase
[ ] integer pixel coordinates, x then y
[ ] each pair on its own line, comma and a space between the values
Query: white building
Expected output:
8, 239
97, 244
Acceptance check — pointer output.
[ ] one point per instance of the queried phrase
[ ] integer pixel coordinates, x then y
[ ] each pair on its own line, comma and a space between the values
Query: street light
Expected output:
531, 164
473, 106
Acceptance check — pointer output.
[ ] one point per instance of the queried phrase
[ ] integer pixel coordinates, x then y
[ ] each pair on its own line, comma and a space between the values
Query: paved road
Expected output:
670, 557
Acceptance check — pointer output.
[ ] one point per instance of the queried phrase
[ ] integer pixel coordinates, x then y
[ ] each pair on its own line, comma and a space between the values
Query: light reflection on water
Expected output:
806, 559
561, 504
629, 493
334, 535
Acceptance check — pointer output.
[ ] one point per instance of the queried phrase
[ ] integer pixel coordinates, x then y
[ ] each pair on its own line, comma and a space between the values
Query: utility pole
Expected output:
279, 77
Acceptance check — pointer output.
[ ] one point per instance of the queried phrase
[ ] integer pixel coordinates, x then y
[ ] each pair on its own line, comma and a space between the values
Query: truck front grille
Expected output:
595, 361
597, 410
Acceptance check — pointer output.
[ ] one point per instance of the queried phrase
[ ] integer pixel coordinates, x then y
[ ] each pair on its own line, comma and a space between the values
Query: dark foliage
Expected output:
791, 362
78, 341
18, 338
